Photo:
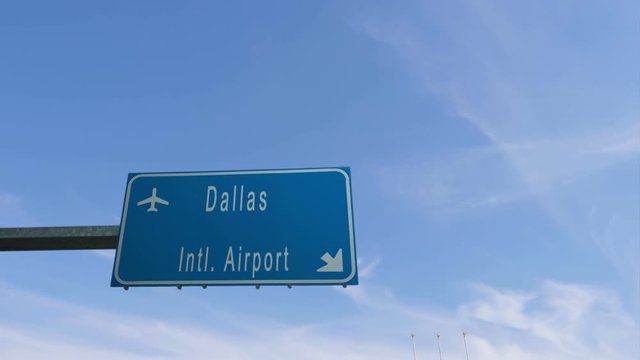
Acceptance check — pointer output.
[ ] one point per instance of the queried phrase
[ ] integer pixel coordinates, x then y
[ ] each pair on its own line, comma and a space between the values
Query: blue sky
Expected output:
494, 149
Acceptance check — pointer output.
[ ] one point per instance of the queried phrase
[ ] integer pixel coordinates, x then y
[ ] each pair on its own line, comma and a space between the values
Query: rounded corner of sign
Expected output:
350, 277
343, 172
134, 178
120, 280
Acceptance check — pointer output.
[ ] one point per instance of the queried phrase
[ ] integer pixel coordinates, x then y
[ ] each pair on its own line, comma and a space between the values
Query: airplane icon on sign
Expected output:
153, 199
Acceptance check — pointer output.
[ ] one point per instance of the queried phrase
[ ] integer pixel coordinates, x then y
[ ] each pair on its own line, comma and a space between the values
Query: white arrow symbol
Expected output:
334, 263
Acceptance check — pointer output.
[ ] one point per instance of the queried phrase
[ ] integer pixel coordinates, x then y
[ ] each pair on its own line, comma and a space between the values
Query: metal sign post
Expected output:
59, 238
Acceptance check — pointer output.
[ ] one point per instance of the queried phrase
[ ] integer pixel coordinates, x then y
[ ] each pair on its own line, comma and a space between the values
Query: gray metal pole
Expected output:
466, 351
59, 238
413, 341
439, 351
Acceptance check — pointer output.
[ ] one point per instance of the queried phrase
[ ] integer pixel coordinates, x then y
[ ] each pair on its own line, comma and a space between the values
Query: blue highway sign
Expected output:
259, 227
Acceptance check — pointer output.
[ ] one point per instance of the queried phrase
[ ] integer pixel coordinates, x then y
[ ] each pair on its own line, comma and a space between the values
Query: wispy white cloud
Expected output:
556, 110
555, 321
480, 177
463, 180
518, 95
90, 333
366, 268
573, 321
108, 255
546, 164
616, 233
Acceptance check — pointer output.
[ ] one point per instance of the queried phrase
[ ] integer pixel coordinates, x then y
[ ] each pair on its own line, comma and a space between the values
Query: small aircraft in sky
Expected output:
153, 199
